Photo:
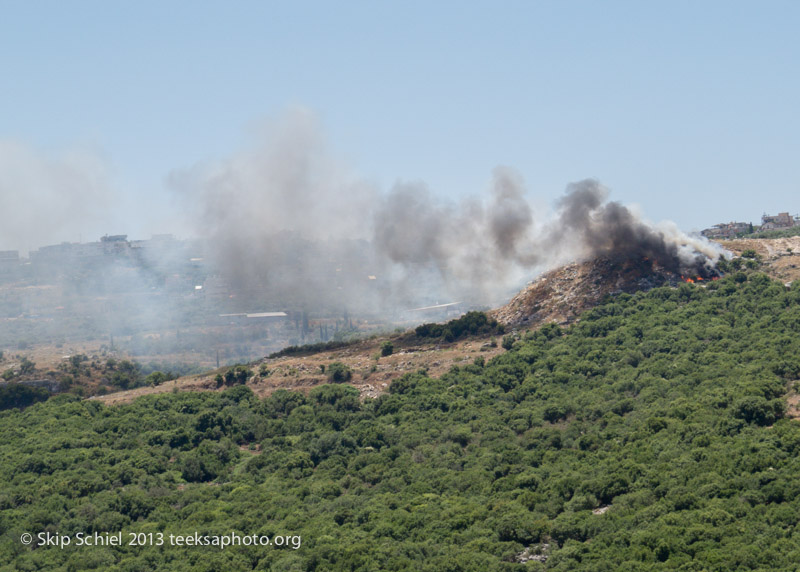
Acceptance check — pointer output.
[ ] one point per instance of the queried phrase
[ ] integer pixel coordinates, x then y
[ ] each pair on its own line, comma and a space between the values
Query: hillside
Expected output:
558, 296
563, 294
650, 435
779, 257
372, 372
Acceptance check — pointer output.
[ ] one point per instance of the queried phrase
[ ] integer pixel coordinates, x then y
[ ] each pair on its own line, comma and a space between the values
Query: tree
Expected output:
156, 378
26, 366
18, 395
237, 375
339, 372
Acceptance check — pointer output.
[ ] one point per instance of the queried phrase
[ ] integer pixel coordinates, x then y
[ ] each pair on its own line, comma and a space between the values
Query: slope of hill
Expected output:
558, 296
372, 373
650, 435
779, 257
561, 295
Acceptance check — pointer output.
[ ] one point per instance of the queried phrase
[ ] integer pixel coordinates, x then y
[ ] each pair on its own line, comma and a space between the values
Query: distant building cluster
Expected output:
116, 246
779, 221
728, 230
163, 260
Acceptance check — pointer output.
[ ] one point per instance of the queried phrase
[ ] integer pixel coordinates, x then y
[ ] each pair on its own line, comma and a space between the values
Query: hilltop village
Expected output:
730, 230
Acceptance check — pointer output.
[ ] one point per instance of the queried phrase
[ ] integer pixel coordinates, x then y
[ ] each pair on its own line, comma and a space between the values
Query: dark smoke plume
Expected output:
609, 229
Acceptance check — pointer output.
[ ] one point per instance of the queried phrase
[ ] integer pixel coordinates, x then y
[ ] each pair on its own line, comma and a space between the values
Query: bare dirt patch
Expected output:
372, 374
793, 401
780, 257
561, 295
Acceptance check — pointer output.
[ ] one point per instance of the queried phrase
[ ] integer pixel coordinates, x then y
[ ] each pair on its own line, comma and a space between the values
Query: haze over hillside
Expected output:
283, 226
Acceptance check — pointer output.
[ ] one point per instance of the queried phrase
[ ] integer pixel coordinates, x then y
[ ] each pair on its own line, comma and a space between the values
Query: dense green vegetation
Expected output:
736, 264
313, 348
470, 324
664, 408
19, 395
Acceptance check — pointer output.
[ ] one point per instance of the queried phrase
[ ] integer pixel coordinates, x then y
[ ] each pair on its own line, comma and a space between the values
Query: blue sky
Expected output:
688, 109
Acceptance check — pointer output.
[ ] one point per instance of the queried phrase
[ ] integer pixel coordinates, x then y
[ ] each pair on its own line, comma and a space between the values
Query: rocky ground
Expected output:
561, 295
779, 257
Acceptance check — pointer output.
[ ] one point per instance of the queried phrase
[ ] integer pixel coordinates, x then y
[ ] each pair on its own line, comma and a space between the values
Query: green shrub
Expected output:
19, 395
470, 324
339, 372
237, 375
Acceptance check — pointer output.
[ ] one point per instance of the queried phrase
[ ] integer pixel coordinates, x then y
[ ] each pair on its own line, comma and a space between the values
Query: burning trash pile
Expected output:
620, 253
561, 295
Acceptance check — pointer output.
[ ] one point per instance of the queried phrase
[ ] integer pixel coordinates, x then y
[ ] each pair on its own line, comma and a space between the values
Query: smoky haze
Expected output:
48, 198
287, 223
286, 226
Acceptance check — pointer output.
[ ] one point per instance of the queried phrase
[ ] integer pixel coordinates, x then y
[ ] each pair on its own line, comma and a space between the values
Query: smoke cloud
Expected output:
588, 225
288, 219
286, 225
469, 250
274, 218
